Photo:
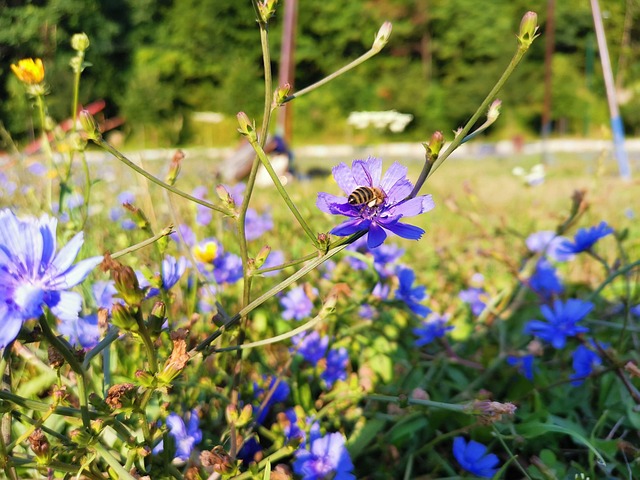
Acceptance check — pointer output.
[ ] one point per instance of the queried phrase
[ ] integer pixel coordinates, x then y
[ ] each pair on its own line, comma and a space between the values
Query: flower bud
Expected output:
80, 42
382, 37
225, 196
29, 71
90, 126
40, 446
281, 94
494, 111
262, 256
126, 283
266, 8
174, 167
247, 127
121, 395
122, 318
528, 29
56, 359
434, 145
157, 317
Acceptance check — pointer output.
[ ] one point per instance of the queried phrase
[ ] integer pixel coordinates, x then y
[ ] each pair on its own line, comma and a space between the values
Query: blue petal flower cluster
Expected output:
297, 304
433, 327
326, 455
186, 437
473, 457
410, 295
33, 275
381, 217
561, 321
585, 359
586, 238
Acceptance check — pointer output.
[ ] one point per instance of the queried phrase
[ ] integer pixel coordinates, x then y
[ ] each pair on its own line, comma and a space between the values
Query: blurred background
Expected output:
177, 72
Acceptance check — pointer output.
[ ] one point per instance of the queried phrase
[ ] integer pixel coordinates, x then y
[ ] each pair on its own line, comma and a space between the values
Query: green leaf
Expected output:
362, 438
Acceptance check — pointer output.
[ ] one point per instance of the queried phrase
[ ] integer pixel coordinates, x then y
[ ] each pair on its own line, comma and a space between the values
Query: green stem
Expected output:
47, 149
327, 309
283, 193
111, 336
112, 462
274, 457
452, 407
460, 136
275, 290
103, 143
71, 359
363, 58
166, 231
611, 277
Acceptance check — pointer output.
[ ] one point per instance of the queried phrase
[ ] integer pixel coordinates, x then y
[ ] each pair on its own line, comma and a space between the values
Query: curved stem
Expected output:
283, 193
275, 290
103, 143
166, 231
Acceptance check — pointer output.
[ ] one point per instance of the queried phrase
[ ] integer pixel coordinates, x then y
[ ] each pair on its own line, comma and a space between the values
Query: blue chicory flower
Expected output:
386, 215
186, 436
410, 295
104, 294
204, 215
336, 368
635, 310
549, 243
545, 280
296, 304
116, 213
435, 326
326, 455
473, 457
524, 364
476, 298
279, 394
366, 311
275, 258
83, 331
172, 271
311, 346
256, 224
561, 321
32, 274
586, 238
584, 361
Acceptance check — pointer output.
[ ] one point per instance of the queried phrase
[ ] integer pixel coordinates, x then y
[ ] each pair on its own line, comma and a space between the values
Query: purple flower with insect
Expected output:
374, 203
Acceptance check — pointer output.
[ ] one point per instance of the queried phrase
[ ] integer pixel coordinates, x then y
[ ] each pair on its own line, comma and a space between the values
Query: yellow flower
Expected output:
29, 71
206, 253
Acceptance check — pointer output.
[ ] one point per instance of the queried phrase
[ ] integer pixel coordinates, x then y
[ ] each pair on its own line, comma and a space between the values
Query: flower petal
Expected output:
367, 172
395, 173
10, 326
413, 206
344, 178
405, 231
351, 226
74, 275
377, 235
66, 305
67, 254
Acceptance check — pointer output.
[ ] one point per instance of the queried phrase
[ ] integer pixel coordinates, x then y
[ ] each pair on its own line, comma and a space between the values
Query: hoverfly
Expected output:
371, 196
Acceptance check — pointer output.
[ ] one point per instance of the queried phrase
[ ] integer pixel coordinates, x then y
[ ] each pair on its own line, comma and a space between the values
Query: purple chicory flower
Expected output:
549, 243
275, 258
476, 298
311, 346
544, 280
584, 361
561, 321
326, 455
104, 294
586, 238
473, 457
297, 304
257, 224
83, 331
204, 215
410, 295
524, 364
32, 274
186, 437
386, 215
435, 326
279, 392
336, 368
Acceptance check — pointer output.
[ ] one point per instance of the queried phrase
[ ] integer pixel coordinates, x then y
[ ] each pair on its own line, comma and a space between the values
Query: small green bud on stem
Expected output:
382, 37
80, 42
90, 126
528, 29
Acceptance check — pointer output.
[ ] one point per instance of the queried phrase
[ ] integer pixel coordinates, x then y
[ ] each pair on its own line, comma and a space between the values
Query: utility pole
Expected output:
284, 124
617, 128
549, 35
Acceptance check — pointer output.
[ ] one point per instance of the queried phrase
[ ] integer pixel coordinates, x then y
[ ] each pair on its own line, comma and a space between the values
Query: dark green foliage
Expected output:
156, 62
